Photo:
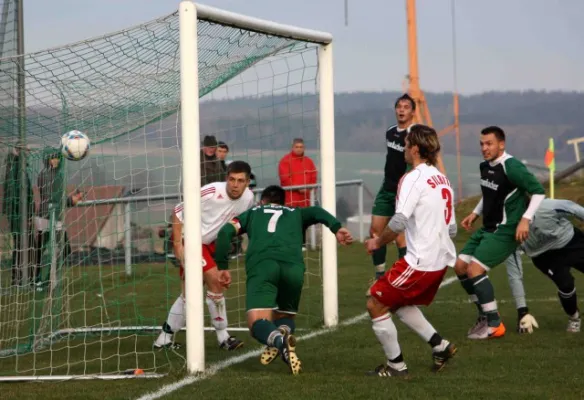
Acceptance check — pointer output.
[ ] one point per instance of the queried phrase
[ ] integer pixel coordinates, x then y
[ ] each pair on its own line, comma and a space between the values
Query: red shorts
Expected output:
403, 285
208, 261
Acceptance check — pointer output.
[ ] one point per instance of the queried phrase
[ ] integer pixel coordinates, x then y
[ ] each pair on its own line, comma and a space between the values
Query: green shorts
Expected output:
274, 284
384, 204
490, 249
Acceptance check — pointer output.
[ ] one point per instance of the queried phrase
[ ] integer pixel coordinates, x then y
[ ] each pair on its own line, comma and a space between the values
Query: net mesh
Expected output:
99, 270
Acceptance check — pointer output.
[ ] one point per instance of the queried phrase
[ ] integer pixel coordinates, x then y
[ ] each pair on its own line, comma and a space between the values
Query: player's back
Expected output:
275, 232
428, 241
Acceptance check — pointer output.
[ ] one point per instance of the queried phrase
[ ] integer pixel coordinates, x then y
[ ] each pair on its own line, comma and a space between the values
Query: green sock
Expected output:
379, 256
469, 288
287, 323
485, 292
267, 333
401, 252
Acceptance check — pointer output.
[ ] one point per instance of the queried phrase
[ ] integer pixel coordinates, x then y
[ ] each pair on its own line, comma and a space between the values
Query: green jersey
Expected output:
505, 184
275, 233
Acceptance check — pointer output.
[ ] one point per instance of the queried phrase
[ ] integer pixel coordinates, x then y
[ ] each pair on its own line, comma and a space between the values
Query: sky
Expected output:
501, 44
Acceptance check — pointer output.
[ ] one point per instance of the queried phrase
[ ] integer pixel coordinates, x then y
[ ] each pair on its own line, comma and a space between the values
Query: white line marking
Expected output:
216, 367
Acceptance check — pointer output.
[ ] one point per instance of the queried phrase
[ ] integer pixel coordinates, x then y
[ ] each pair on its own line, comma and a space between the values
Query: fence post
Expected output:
360, 205
128, 237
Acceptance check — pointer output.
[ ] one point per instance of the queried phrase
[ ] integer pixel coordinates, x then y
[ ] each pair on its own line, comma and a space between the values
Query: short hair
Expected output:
406, 97
222, 145
297, 140
495, 130
274, 194
237, 167
427, 141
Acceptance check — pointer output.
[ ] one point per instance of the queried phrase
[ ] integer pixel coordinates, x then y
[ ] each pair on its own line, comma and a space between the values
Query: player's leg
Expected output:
493, 249
382, 298
175, 321
564, 281
514, 266
262, 291
383, 210
215, 301
460, 268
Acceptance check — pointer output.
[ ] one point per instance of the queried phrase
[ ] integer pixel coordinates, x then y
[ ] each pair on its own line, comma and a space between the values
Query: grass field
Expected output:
544, 365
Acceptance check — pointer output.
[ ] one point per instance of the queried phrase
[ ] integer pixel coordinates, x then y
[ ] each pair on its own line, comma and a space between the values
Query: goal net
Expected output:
86, 287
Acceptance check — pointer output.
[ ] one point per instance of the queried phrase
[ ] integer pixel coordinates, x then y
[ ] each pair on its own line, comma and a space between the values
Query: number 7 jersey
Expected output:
425, 199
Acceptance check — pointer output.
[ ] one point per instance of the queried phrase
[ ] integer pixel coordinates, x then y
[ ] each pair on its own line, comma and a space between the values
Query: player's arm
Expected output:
519, 175
284, 172
408, 197
318, 215
225, 236
467, 222
177, 238
567, 208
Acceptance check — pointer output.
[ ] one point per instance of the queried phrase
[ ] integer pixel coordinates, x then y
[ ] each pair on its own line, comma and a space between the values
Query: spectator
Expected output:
52, 188
221, 153
297, 169
211, 169
11, 208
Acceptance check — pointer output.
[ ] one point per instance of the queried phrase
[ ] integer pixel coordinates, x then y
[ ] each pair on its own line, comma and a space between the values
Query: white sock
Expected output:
386, 333
380, 268
415, 320
176, 316
216, 304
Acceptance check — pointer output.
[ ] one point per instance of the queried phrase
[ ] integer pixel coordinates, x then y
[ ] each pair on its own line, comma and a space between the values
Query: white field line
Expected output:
216, 367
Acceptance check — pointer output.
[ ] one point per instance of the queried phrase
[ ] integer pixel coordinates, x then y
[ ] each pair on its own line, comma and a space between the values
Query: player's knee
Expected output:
460, 267
474, 270
564, 283
375, 308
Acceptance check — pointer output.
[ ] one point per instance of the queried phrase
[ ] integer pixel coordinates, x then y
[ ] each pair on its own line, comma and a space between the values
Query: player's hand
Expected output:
468, 221
225, 278
527, 323
522, 231
372, 244
344, 237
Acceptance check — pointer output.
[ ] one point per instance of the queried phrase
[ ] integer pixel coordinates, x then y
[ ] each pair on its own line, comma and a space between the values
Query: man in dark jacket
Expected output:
211, 168
11, 208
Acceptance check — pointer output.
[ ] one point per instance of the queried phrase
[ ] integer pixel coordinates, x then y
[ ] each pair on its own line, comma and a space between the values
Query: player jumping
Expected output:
274, 266
505, 182
555, 246
395, 167
425, 212
220, 202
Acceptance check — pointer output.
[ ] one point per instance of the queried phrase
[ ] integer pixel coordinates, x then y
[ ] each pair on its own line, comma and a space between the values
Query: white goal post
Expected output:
189, 13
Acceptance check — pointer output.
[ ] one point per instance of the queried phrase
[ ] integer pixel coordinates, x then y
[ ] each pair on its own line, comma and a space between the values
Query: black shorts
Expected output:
569, 256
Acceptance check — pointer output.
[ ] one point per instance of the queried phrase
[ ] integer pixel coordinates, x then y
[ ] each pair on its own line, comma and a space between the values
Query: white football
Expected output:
75, 145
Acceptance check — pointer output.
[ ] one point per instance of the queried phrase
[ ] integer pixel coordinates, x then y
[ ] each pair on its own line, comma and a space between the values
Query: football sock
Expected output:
402, 251
379, 257
176, 317
569, 302
397, 363
267, 333
522, 311
216, 305
289, 324
486, 297
468, 287
415, 320
386, 333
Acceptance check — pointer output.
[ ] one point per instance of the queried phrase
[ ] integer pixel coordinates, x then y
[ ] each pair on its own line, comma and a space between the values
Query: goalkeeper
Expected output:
275, 268
555, 246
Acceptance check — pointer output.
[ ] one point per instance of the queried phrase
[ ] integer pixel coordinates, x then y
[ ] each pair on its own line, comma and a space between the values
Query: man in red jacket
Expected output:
297, 169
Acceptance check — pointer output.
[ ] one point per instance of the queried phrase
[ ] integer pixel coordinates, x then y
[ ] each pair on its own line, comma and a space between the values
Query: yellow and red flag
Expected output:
550, 158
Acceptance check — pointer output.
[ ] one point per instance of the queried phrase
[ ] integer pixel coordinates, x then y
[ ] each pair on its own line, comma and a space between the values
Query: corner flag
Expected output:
550, 162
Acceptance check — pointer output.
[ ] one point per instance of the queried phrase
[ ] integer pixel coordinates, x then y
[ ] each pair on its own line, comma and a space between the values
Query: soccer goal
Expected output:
84, 288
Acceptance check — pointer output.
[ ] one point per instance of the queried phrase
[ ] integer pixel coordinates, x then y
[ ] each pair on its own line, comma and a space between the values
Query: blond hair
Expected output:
427, 141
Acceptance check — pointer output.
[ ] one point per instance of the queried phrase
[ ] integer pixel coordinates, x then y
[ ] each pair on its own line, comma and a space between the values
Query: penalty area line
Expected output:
218, 366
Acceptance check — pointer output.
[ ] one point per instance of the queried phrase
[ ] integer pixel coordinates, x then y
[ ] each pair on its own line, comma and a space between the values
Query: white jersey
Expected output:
425, 198
217, 209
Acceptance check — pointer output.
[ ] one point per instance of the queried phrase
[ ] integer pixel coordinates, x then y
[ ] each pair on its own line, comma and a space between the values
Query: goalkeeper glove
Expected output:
527, 323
